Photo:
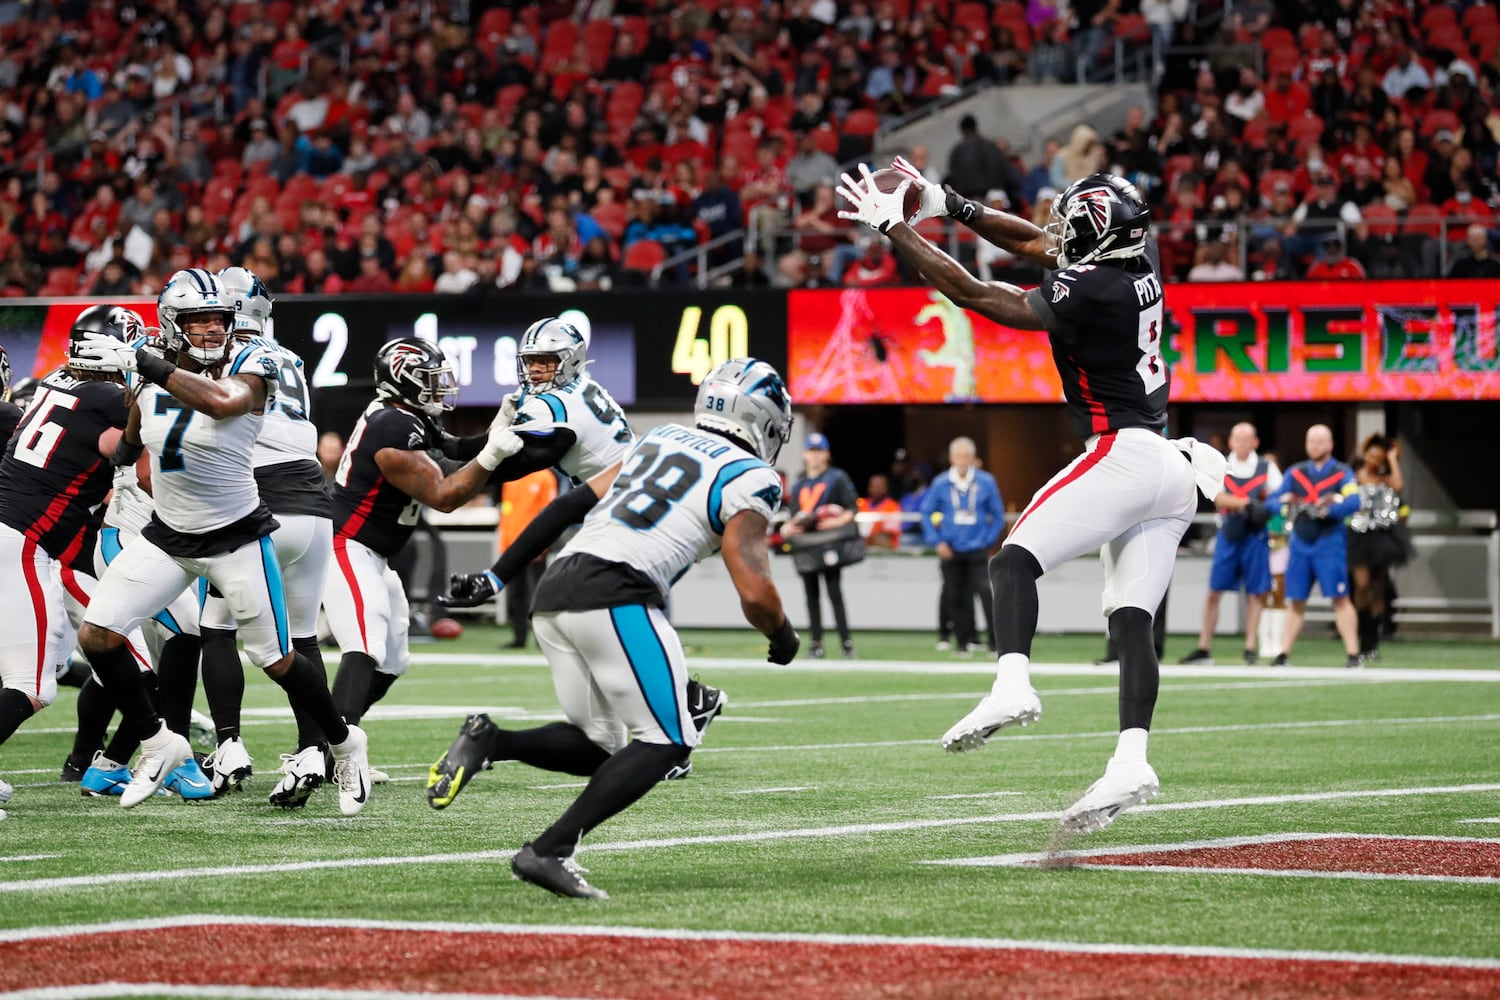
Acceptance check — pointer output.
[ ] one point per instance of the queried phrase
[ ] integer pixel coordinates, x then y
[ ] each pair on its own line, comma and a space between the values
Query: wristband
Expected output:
494, 580
152, 368
962, 208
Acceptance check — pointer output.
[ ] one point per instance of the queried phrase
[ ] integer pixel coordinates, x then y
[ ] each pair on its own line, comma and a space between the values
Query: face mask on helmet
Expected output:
195, 299
104, 320
747, 400
250, 299
416, 373
1098, 218
557, 350
4, 374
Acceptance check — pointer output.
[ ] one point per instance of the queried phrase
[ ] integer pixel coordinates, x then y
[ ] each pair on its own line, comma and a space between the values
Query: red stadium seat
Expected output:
1480, 14
494, 25
643, 255
1308, 128
1276, 37
1424, 220
612, 218
1381, 218
1437, 15
861, 122
1438, 119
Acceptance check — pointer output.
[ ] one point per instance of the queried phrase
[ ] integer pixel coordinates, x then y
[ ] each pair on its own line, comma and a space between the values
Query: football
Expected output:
827, 513
889, 180
446, 628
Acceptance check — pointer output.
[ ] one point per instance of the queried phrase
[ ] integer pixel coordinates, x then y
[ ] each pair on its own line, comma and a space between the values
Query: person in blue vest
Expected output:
1319, 493
962, 517
1242, 550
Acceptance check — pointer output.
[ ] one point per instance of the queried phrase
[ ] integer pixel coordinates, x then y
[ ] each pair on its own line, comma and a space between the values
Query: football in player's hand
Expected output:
889, 180
446, 628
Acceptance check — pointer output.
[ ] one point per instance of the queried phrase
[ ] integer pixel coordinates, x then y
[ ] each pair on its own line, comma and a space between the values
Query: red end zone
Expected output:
600, 964
1450, 857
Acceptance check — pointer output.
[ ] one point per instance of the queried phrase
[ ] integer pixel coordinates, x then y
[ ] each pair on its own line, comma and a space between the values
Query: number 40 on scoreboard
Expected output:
728, 337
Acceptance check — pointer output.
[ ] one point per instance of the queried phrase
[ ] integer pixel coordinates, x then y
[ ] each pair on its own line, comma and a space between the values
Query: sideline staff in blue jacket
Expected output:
962, 516
1319, 494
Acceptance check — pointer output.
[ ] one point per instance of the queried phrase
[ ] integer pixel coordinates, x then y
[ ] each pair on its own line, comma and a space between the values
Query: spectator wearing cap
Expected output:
810, 168
1477, 262
1335, 265
1286, 98
261, 148
1319, 216
1405, 76
1246, 101
764, 190
371, 278
824, 499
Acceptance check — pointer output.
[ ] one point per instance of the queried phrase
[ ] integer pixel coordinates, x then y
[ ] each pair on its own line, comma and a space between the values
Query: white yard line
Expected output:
198, 921
55, 884
1487, 819
769, 791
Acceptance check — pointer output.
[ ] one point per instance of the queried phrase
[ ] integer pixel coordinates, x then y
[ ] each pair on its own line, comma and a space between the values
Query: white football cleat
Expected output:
160, 756
6, 791
351, 771
1125, 783
378, 777
231, 763
1019, 706
301, 774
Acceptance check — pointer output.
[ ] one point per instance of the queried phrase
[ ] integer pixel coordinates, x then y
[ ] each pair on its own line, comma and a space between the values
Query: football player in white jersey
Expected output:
683, 494
568, 421
290, 482
199, 417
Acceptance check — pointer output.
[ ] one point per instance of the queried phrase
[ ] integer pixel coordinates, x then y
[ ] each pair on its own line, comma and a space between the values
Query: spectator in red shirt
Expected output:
316, 277
1334, 264
874, 268
372, 280
1286, 98
764, 193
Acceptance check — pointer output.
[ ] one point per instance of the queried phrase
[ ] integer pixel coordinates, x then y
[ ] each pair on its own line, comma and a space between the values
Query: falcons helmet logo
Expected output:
402, 356
1095, 206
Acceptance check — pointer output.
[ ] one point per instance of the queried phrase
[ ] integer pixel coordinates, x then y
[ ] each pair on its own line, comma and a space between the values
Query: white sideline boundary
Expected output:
63, 883
196, 921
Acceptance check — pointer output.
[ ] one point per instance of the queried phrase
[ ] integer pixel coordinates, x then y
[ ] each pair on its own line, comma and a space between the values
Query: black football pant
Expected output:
966, 578
815, 605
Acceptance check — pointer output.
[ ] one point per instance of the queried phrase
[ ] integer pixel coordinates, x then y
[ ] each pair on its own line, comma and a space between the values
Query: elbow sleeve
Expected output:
544, 529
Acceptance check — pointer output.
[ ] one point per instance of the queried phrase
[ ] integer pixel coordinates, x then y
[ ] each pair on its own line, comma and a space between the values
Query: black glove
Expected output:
784, 644
469, 590
1257, 515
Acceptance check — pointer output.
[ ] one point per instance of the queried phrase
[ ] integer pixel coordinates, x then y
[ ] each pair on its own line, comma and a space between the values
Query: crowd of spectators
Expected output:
355, 145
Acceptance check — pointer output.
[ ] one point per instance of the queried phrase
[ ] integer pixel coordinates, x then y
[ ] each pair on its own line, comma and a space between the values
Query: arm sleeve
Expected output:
464, 449
544, 529
542, 451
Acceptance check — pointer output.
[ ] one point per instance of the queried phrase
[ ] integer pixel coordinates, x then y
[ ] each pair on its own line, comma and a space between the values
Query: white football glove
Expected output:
875, 208
503, 443
100, 352
510, 406
934, 198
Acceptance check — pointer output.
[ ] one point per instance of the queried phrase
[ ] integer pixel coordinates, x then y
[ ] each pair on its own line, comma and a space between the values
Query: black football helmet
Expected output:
113, 321
416, 373
1098, 218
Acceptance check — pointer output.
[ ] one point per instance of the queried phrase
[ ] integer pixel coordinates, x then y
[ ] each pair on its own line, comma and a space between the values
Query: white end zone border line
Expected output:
1092, 858
197, 921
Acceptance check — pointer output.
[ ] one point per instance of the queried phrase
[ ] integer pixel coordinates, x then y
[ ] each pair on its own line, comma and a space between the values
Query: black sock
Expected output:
379, 684
1013, 576
351, 686
122, 745
309, 733
95, 708
1130, 629
618, 782
304, 687
223, 681
557, 746
177, 680
121, 677
15, 708
1369, 632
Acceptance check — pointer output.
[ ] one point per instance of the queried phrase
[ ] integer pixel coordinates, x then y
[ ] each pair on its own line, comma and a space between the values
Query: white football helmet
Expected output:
557, 338
189, 293
746, 399
251, 299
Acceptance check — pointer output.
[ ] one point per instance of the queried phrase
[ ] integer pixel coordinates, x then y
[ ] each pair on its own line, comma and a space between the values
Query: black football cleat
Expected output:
559, 875
72, 770
704, 703
467, 755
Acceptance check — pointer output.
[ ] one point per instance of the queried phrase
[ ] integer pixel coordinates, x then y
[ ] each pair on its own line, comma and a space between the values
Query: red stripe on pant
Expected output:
341, 553
70, 584
38, 606
1095, 457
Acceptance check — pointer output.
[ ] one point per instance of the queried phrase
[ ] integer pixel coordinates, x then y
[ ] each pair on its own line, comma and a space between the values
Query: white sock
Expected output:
158, 739
1132, 745
1014, 671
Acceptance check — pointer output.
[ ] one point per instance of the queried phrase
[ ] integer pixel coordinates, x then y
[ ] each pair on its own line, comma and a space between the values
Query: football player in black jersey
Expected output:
384, 478
10, 413
1130, 494
55, 470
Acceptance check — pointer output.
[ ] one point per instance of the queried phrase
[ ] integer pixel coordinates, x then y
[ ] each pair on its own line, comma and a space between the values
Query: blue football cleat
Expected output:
189, 781
104, 777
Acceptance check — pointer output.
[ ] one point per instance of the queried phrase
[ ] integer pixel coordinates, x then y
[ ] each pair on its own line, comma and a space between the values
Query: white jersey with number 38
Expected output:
201, 472
677, 490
